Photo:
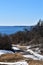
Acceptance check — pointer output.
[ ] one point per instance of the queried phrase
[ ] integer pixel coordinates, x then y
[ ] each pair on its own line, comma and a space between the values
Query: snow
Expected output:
30, 56
28, 46
5, 52
15, 48
15, 63
8, 51
34, 55
37, 50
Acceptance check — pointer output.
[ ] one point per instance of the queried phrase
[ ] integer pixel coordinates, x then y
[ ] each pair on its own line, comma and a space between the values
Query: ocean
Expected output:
12, 29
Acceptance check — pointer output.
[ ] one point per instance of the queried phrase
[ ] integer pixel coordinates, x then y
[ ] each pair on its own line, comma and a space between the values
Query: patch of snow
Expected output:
15, 48
37, 49
35, 55
29, 50
15, 63
28, 47
5, 52
30, 56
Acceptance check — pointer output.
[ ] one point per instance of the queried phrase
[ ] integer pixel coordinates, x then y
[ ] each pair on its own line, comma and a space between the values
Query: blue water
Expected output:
12, 29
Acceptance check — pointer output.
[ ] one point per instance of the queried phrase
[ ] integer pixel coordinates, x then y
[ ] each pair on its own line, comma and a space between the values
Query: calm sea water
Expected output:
12, 29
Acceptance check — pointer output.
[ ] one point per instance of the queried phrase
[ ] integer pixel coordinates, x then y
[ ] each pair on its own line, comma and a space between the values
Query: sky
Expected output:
20, 12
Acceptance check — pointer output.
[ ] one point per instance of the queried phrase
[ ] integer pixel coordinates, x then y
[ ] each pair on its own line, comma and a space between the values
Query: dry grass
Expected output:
18, 57
11, 57
35, 62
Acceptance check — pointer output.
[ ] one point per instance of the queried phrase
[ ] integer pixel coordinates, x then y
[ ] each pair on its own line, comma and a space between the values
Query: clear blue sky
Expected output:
20, 12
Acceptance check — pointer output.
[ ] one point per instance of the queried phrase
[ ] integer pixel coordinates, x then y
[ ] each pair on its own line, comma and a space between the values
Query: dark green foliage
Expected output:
5, 42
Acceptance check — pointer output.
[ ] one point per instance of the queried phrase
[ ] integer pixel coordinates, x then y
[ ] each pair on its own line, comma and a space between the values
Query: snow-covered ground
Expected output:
5, 52
15, 48
15, 63
8, 51
33, 55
